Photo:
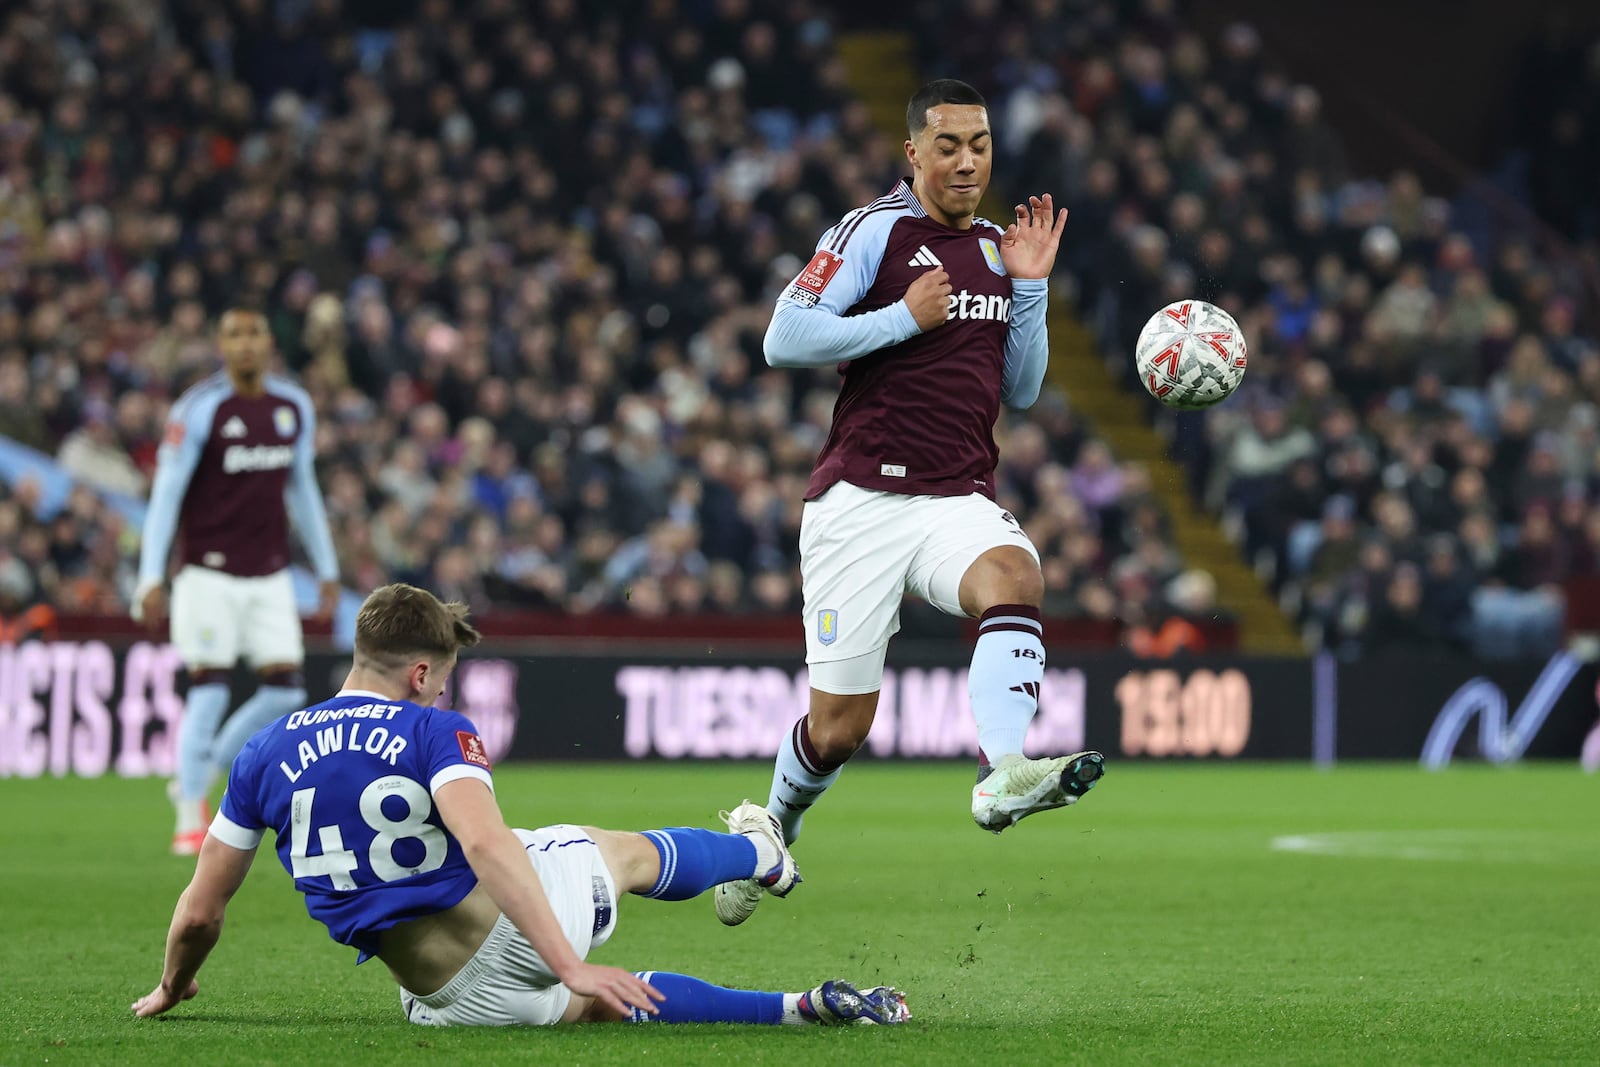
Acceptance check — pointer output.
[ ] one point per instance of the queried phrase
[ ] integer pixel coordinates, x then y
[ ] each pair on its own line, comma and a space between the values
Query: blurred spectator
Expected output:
1398, 623
93, 454
22, 615
537, 371
1419, 420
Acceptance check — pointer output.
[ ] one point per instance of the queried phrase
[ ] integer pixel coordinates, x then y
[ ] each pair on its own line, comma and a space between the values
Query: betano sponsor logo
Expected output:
242, 459
968, 305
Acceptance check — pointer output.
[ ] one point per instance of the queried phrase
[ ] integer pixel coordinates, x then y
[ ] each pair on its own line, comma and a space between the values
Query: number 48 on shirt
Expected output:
338, 863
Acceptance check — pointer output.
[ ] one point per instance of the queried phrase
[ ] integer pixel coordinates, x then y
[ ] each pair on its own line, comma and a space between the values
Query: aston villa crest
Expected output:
991, 256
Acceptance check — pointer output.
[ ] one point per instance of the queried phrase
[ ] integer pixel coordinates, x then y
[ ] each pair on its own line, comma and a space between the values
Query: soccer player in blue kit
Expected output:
384, 813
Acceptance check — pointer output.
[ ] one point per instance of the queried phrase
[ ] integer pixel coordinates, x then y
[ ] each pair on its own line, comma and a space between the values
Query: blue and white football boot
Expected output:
838, 1003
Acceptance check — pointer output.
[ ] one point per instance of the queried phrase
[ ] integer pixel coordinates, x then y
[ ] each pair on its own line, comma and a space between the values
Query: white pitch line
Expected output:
1451, 846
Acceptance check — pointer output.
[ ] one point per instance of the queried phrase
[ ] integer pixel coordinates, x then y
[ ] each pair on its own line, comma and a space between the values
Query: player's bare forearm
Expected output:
194, 932
501, 864
197, 922
496, 856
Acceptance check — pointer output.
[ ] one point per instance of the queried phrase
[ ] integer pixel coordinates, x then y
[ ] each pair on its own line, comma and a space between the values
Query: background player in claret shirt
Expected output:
385, 815
937, 317
236, 465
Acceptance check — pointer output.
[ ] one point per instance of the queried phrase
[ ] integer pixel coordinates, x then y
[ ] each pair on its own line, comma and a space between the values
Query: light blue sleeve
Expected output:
1027, 342
809, 327
304, 497
188, 429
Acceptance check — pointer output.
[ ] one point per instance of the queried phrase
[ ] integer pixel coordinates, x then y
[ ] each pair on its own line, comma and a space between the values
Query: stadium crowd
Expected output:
522, 256
1412, 459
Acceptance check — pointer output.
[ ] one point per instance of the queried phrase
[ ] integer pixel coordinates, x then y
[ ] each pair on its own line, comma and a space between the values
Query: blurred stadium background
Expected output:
522, 255
522, 252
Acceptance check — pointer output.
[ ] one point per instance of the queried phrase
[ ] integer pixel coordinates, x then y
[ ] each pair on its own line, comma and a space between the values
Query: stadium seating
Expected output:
1411, 460
522, 259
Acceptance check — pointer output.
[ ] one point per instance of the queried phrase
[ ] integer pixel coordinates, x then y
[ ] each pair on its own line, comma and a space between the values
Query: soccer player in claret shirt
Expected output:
936, 318
385, 815
236, 465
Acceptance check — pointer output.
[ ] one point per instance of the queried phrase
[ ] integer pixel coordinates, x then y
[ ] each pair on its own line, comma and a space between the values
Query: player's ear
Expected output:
911, 153
418, 675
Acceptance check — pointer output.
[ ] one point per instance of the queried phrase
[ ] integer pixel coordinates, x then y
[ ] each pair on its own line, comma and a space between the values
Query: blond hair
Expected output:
400, 622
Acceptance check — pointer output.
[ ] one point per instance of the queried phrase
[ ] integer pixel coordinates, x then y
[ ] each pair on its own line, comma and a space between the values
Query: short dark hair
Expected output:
940, 91
240, 308
400, 621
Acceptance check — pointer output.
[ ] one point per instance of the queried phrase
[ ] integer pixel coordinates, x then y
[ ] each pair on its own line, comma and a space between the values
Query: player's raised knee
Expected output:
1005, 575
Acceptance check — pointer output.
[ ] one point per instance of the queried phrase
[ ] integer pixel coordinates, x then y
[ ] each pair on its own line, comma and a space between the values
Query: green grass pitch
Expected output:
1445, 918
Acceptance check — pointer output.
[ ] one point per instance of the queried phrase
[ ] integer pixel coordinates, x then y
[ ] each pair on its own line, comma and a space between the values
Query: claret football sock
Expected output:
203, 709
1004, 681
799, 777
694, 860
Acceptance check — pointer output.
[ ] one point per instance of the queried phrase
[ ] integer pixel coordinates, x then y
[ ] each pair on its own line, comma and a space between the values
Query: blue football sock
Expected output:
203, 709
689, 1000
269, 702
694, 860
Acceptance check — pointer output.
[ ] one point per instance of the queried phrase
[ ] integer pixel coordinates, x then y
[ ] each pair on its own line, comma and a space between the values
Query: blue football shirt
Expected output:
347, 785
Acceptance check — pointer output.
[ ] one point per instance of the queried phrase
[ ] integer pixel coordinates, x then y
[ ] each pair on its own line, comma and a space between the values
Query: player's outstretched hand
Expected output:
1028, 247
327, 601
620, 990
152, 609
159, 1000
929, 299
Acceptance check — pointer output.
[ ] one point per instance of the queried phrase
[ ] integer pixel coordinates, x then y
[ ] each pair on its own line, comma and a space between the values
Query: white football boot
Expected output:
736, 901
1018, 787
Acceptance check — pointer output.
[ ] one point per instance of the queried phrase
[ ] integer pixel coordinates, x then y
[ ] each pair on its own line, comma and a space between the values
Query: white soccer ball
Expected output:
1191, 355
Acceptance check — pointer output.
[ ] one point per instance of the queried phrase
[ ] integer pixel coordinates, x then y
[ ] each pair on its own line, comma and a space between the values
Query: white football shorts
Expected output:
218, 617
506, 983
862, 550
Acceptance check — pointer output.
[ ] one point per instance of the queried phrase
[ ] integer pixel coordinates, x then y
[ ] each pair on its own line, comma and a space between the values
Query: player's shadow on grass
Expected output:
276, 1021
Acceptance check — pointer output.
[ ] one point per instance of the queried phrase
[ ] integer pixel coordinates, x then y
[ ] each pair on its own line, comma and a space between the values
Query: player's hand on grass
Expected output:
620, 990
327, 601
152, 609
1028, 247
160, 999
929, 299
